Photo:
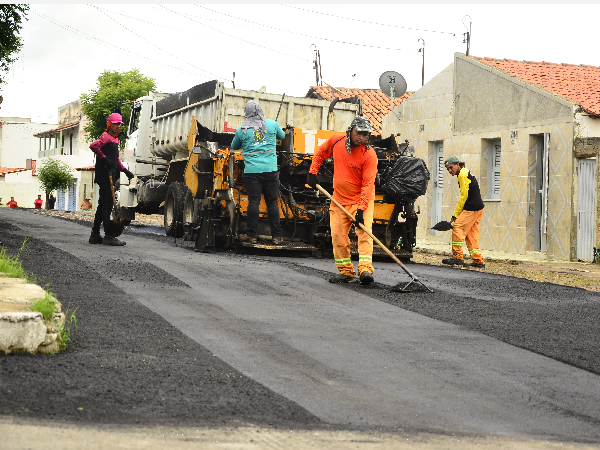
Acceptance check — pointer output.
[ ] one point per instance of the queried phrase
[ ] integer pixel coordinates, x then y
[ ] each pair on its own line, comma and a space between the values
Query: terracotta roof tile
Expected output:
5, 170
578, 83
375, 103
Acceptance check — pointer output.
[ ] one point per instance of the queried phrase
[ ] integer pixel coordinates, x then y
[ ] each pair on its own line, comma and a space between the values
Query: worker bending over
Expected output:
354, 172
466, 217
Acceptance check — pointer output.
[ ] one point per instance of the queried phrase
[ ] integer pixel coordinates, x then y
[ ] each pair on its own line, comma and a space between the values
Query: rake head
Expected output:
414, 285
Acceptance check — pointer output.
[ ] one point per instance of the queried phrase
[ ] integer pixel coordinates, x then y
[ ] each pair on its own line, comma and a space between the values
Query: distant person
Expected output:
106, 149
257, 137
466, 217
12, 203
86, 205
37, 203
51, 201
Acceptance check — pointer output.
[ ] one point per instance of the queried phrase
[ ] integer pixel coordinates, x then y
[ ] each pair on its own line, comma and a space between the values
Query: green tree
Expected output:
114, 92
11, 17
54, 174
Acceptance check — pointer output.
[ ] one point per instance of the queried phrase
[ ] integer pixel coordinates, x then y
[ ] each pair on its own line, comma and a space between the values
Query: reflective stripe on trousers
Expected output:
340, 226
466, 227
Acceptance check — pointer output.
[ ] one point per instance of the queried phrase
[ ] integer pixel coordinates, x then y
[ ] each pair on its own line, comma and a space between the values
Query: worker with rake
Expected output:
354, 172
108, 164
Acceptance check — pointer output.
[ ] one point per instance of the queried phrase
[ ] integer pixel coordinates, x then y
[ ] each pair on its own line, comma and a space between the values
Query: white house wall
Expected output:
487, 99
17, 143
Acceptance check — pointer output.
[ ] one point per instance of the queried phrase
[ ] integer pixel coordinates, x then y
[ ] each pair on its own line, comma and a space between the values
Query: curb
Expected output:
23, 330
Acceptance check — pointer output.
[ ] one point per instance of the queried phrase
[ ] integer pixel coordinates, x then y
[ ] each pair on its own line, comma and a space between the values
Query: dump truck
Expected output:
179, 150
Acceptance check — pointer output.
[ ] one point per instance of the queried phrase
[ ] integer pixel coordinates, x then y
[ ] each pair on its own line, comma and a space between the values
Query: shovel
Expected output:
398, 287
116, 224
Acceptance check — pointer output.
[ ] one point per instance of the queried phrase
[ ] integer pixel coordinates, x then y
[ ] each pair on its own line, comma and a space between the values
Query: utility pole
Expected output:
467, 35
422, 50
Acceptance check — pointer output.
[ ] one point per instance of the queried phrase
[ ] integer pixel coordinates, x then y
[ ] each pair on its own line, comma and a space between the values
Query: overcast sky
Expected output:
66, 47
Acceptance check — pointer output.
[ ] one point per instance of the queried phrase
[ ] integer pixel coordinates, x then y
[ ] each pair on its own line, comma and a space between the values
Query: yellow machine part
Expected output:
305, 141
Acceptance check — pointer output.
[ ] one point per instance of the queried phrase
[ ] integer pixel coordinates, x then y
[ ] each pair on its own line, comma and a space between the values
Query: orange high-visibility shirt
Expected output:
353, 174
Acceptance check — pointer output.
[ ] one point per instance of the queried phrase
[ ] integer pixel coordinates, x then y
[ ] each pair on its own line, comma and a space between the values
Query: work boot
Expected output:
476, 265
95, 238
278, 240
109, 240
366, 277
244, 238
340, 278
453, 262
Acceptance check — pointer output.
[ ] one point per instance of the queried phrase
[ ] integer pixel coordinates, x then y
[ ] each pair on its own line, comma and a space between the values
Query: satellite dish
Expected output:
392, 84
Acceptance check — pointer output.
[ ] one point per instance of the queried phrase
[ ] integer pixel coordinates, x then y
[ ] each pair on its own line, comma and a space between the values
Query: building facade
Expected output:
532, 141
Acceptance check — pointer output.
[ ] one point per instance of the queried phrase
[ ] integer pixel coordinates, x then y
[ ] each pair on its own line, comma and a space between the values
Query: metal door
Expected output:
438, 184
541, 190
60, 199
586, 202
73, 197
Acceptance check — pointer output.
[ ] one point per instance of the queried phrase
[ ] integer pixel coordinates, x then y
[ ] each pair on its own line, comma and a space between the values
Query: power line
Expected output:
109, 45
163, 50
230, 35
372, 23
197, 34
302, 34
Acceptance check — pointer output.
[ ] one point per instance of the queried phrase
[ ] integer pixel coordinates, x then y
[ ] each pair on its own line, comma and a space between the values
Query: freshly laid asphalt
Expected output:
168, 335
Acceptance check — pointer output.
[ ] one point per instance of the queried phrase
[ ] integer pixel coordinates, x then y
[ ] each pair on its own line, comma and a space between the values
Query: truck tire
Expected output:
173, 214
189, 212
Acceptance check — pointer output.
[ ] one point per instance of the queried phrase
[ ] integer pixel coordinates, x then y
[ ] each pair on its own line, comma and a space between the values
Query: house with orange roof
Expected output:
375, 103
18, 150
67, 143
530, 132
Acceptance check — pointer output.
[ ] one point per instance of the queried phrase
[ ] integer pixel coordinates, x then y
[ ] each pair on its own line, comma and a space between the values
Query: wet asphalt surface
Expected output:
160, 342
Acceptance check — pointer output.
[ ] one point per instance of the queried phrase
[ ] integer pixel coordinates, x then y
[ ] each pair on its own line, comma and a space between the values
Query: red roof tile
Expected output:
375, 103
5, 170
86, 168
578, 83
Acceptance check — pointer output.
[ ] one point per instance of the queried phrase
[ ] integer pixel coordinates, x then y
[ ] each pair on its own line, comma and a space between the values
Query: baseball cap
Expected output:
452, 160
361, 123
115, 118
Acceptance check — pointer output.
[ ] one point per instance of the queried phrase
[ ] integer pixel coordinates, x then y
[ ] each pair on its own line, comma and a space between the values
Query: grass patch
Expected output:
46, 306
11, 266
67, 329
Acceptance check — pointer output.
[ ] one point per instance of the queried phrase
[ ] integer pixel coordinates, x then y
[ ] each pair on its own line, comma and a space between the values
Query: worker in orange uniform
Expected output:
354, 172
466, 217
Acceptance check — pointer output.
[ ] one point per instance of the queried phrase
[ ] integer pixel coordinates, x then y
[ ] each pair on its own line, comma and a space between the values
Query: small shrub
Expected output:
69, 326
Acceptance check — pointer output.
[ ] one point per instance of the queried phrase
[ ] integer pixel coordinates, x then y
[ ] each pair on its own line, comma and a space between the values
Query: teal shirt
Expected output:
258, 150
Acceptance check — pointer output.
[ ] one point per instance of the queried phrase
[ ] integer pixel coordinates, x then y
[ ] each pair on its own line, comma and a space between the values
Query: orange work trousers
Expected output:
340, 226
466, 228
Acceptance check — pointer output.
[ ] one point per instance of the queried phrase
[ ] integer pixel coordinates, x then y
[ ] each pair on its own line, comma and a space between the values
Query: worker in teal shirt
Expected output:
257, 137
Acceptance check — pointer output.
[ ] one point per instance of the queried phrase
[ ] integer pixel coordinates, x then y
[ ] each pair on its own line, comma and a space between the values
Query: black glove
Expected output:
312, 180
128, 173
358, 218
110, 166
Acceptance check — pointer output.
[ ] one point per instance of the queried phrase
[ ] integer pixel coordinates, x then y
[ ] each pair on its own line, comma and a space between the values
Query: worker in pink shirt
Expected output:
106, 149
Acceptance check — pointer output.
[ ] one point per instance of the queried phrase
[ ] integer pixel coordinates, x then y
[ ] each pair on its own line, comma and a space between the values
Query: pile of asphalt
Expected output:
126, 365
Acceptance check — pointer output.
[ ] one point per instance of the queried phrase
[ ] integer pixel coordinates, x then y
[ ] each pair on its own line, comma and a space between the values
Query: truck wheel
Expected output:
189, 214
174, 209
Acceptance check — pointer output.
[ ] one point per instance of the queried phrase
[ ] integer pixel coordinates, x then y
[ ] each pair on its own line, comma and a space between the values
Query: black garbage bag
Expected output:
406, 180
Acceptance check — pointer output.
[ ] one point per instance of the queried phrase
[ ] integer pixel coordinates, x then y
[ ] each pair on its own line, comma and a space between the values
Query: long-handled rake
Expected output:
399, 287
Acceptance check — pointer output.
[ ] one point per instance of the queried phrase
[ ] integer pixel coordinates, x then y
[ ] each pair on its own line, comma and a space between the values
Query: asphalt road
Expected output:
261, 339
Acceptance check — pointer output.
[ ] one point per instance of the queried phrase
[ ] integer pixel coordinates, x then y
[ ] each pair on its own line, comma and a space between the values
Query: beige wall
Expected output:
464, 123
